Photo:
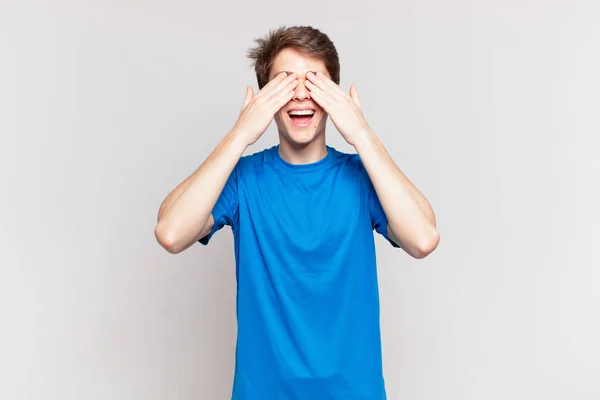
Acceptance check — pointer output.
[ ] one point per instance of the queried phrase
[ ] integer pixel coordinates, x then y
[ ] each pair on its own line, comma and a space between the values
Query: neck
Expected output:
302, 153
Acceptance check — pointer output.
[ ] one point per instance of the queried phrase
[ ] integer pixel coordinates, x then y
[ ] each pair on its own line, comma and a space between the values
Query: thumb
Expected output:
354, 95
249, 96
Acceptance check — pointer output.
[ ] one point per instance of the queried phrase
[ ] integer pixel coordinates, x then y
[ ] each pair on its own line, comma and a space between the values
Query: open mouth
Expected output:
301, 117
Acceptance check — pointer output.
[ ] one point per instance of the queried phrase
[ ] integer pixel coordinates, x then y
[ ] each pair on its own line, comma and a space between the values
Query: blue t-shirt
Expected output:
307, 293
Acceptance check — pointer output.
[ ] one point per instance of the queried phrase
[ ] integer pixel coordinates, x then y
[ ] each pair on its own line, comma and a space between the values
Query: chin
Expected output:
302, 135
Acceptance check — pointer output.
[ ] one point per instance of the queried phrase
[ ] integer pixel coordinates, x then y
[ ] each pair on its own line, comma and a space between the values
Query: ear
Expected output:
249, 96
354, 95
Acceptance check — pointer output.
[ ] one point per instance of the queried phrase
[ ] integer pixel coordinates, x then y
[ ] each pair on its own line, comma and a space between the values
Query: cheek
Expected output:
323, 114
278, 117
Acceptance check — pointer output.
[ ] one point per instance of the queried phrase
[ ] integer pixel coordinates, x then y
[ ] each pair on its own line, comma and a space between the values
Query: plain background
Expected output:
491, 108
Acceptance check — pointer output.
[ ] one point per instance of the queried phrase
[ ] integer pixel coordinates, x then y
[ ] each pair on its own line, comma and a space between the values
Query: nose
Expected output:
301, 93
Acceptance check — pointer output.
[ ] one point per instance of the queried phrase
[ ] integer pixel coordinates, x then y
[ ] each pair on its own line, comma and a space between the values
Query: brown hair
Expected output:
305, 39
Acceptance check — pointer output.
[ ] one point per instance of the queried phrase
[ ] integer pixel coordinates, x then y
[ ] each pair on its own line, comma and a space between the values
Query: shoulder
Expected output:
353, 168
358, 167
354, 160
259, 160
252, 162
349, 160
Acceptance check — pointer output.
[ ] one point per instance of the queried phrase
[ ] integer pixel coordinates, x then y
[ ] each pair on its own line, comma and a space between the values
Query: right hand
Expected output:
258, 111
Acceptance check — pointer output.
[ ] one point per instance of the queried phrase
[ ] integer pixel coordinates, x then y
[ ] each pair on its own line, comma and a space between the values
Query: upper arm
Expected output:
207, 228
225, 210
392, 236
379, 220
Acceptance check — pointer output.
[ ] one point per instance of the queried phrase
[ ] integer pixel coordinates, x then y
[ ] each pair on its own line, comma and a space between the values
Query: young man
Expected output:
302, 215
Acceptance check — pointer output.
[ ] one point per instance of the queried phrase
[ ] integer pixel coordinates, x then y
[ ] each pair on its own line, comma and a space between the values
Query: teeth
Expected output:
302, 112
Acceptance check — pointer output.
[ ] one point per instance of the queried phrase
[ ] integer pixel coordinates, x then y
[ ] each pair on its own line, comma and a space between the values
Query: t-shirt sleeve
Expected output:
378, 217
379, 220
225, 211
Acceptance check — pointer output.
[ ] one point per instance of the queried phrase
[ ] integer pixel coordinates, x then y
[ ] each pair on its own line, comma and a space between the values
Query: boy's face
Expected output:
299, 127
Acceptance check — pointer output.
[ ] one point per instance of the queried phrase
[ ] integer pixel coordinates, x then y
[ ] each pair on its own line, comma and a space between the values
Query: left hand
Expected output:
344, 109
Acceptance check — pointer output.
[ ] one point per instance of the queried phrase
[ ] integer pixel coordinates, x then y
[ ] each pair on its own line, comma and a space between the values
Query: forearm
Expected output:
409, 214
186, 209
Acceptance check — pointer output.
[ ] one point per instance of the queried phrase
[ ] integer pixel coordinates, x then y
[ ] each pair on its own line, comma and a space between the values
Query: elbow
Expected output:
167, 238
427, 245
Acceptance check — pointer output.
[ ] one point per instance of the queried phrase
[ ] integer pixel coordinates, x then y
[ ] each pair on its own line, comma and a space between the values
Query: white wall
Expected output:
491, 109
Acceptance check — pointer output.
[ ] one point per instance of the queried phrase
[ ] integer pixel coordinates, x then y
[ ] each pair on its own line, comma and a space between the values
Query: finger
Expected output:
312, 78
322, 98
326, 84
281, 98
249, 96
313, 84
277, 84
278, 78
291, 80
354, 95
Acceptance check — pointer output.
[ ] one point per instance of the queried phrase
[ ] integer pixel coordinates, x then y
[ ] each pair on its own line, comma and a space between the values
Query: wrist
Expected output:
363, 138
239, 138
